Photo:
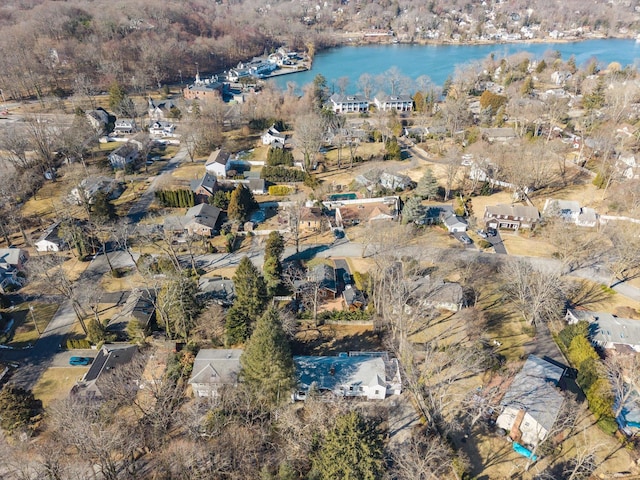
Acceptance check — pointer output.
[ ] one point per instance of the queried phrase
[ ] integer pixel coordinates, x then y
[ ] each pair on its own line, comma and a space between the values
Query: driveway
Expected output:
459, 235
498, 244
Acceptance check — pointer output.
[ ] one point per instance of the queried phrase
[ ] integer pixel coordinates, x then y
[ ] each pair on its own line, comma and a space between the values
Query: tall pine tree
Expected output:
266, 363
272, 268
251, 300
353, 448
427, 186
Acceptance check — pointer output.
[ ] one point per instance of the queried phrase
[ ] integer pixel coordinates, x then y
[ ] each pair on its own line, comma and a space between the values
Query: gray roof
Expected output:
534, 389
328, 373
512, 210
453, 220
139, 305
503, 132
434, 291
109, 356
220, 289
352, 295
10, 256
220, 156
393, 98
339, 98
256, 184
607, 328
208, 182
204, 214
216, 366
325, 275
52, 234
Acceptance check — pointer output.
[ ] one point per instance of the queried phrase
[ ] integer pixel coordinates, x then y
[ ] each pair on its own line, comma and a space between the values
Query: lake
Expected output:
440, 61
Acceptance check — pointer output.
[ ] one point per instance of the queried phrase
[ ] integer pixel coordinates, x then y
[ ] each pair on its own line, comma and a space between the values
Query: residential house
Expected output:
160, 110
204, 187
349, 215
311, 218
512, 217
109, 359
444, 214
348, 103
124, 155
99, 119
218, 163
571, 211
324, 276
199, 220
257, 186
395, 181
139, 307
400, 103
50, 240
162, 129
214, 369
503, 134
560, 77
607, 330
12, 262
125, 126
221, 290
436, 293
369, 375
532, 403
91, 186
628, 166
273, 136
353, 298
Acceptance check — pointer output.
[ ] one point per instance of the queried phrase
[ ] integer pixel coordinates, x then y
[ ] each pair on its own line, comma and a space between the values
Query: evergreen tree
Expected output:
419, 102
427, 186
266, 363
251, 300
220, 199
18, 407
352, 449
412, 210
241, 204
102, 209
272, 268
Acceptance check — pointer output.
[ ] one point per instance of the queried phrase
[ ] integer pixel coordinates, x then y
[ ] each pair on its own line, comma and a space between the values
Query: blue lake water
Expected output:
440, 61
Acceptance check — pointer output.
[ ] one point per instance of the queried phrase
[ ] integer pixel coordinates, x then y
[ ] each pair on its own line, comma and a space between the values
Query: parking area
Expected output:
62, 358
498, 244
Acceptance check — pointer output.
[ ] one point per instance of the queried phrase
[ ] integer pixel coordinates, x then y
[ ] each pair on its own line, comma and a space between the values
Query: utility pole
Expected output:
35, 324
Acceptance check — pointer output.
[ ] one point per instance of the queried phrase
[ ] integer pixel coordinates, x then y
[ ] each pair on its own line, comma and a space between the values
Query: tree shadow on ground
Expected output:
325, 340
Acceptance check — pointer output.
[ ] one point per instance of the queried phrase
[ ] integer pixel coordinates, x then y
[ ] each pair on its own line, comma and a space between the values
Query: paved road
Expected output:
139, 209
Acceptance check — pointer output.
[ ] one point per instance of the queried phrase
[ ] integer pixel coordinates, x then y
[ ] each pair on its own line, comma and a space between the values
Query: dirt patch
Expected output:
333, 339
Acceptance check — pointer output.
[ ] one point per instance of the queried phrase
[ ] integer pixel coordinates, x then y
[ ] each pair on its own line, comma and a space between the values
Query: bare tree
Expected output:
309, 136
452, 167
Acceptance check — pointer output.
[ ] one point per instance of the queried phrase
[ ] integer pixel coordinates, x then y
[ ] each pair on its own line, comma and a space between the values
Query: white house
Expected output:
372, 375
162, 129
272, 136
608, 331
50, 240
348, 103
124, 155
214, 369
392, 181
125, 126
531, 405
401, 103
571, 211
218, 163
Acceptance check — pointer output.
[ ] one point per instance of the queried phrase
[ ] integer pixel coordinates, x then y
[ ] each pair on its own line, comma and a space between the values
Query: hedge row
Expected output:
279, 190
283, 174
176, 198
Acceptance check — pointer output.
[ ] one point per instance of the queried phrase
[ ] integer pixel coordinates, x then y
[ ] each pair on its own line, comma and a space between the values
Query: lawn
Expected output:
56, 383
189, 171
24, 329
333, 339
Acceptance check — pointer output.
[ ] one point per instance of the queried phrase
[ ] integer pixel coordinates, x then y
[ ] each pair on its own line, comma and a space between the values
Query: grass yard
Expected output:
24, 330
189, 171
56, 383
521, 243
333, 339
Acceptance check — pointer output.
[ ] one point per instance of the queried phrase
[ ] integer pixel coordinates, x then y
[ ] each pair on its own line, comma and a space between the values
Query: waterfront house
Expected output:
400, 103
348, 103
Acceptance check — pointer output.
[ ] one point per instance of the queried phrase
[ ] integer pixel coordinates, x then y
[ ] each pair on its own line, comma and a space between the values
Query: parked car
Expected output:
79, 361
338, 233
346, 278
465, 239
482, 233
492, 232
